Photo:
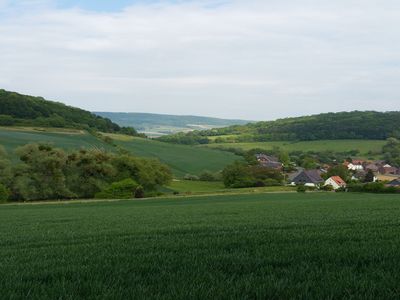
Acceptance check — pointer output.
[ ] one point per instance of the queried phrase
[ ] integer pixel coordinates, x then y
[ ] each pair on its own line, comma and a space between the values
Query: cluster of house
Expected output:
313, 178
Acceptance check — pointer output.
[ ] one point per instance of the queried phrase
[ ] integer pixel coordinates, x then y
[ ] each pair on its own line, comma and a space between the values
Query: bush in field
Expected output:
327, 188
207, 176
139, 192
240, 174
301, 189
4, 193
191, 177
46, 173
124, 189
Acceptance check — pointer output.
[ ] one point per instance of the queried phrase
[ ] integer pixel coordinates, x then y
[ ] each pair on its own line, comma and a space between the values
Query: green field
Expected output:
276, 246
205, 187
364, 146
11, 138
181, 159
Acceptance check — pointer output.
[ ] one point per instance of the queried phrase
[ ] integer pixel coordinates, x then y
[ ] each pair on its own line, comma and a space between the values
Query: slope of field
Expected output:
160, 124
11, 138
364, 146
182, 159
271, 246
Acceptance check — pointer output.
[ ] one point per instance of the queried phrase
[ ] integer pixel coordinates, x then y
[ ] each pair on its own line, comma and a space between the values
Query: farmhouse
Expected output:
336, 182
388, 170
308, 178
269, 161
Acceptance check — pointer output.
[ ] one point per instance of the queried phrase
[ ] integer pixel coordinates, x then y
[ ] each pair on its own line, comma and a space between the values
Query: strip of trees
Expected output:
45, 172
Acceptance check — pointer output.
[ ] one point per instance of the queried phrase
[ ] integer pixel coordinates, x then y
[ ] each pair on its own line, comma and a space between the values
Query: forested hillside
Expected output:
22, 110
330, 126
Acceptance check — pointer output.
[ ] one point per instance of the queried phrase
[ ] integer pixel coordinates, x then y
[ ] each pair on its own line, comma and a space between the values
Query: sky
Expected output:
249, 59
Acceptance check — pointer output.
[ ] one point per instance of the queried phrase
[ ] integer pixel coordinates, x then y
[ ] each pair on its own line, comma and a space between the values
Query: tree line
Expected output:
330, 126
23, 110
45, 172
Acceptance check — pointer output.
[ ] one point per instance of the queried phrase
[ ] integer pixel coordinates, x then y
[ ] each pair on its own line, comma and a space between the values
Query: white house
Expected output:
336, 182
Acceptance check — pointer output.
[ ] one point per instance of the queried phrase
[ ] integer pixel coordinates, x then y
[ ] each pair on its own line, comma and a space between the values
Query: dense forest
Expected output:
329, 126
23, 110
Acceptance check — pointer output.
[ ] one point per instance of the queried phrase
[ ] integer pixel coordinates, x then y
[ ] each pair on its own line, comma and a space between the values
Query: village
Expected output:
361, 171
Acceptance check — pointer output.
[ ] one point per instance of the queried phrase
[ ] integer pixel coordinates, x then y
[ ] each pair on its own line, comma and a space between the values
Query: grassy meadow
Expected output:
364, 146
279, 246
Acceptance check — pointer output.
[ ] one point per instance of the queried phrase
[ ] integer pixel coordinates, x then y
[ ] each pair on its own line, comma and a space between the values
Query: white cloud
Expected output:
251, 59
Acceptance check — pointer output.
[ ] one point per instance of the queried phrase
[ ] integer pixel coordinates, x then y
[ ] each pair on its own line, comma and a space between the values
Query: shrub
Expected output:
4, 193
207, 176
191, 177
301, 189
272, 182
139, 192
327, 188
124, 189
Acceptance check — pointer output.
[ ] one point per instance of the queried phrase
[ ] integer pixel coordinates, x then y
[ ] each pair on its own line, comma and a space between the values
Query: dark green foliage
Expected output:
124, 189
391, 151
372, 187
139, 192
301, 189
271, 246
41, 175
17, 109
48, 173
208, 176
240, 175
4, 193
330, 126
339, 170
369, 177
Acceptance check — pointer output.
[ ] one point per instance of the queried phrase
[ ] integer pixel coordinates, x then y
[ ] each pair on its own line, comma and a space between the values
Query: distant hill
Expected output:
369, 125
23, 110
159, 124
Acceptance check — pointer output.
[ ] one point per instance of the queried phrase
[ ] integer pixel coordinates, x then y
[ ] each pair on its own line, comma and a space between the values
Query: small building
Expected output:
268, 161
310, 178
336, 182
388, 170
354, 166
373, 167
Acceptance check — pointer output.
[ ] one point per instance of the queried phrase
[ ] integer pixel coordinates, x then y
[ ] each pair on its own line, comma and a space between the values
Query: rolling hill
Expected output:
369, 125
23, 110
156, 125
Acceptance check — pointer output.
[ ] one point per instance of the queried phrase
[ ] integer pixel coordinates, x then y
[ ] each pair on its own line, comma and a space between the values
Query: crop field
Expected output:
364, 146
279, 246
182, 159
11, 138
207, 187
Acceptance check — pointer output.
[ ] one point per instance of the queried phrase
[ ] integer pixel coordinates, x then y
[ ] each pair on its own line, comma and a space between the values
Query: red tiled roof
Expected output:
338, 180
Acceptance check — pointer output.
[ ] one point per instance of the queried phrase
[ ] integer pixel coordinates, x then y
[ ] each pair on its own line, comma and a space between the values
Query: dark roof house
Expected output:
308, 177
395, 183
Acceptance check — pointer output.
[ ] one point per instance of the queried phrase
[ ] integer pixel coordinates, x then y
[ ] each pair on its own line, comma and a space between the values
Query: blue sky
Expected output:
251, 59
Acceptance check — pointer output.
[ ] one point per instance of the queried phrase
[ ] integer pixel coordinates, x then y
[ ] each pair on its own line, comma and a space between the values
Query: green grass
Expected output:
11, 138
206, 187
182, 159
276, 246
364, 146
